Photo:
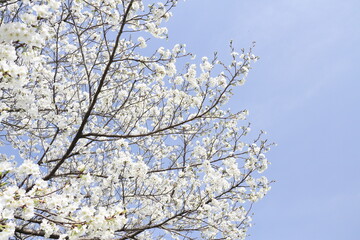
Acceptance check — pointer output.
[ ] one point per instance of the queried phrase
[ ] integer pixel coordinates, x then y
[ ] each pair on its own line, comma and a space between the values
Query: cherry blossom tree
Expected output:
113, 139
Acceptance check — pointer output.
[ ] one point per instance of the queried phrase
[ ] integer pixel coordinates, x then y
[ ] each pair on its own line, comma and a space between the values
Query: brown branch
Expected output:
79, 133
31, 232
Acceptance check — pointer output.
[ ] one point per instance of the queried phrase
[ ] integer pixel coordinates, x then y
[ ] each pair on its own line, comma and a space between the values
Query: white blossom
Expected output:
113, 139
142, 42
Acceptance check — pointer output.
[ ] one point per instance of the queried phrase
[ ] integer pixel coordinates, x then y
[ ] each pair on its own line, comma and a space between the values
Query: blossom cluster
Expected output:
111, 139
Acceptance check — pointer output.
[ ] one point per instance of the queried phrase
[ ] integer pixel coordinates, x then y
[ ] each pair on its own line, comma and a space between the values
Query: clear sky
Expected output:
304, 92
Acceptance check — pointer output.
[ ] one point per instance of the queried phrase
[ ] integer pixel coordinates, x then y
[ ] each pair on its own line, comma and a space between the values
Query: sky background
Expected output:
304, 92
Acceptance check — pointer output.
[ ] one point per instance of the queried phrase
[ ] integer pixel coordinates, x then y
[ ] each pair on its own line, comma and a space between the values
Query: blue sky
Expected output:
304, 92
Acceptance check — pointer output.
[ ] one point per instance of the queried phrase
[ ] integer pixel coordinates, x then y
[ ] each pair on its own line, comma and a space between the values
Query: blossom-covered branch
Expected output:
114, 139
